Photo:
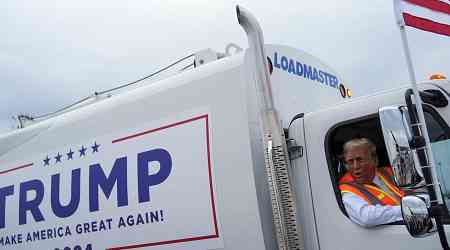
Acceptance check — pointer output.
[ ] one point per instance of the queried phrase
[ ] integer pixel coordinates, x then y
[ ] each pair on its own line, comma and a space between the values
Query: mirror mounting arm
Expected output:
412, 112
417, 142
438, 211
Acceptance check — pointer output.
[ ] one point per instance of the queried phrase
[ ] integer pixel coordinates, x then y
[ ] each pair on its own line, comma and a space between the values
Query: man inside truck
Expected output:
369, 194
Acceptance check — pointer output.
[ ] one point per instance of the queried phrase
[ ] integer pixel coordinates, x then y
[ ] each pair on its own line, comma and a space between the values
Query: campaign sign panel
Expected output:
150, 187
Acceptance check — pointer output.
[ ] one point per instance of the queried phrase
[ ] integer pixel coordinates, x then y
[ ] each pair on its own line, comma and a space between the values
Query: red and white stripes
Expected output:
428, 15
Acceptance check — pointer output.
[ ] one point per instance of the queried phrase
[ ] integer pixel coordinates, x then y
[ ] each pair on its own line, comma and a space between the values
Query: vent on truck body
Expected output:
282, 197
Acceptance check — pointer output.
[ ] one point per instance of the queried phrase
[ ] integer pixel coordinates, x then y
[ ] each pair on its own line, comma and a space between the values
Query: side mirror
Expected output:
395, 125
416, 215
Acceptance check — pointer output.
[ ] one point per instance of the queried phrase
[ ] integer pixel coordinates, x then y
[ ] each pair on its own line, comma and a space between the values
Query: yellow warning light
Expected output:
349, 92
437, 77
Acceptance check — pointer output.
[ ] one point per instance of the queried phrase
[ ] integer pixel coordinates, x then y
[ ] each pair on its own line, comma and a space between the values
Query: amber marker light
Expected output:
349, 93
437, 77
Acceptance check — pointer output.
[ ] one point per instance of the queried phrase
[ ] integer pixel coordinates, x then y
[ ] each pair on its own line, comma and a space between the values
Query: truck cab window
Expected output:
366, 127
439, 133
438, 130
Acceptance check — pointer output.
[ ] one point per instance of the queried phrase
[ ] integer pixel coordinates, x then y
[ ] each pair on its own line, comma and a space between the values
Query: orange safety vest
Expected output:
371, 193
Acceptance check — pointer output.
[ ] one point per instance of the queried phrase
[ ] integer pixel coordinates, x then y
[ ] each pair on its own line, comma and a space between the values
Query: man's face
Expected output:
360, 164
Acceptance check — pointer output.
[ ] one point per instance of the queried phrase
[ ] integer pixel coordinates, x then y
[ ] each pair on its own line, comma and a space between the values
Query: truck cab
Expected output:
322, 134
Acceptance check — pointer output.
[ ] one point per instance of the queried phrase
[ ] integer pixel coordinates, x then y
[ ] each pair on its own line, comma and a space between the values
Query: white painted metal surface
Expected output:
302, 83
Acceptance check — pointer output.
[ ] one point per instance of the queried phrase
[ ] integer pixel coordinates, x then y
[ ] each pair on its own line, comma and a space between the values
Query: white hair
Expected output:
362, 142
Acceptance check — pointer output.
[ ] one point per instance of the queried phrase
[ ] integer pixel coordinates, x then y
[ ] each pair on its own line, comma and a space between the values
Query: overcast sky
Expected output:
53, 53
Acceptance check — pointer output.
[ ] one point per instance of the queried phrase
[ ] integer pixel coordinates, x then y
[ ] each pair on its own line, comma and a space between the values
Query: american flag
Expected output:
428, 15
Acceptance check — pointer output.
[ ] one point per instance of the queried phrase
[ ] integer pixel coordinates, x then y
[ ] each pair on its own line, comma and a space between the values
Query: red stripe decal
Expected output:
157, 129
427, 25
16, 168
163, 242
435, 5
210, 180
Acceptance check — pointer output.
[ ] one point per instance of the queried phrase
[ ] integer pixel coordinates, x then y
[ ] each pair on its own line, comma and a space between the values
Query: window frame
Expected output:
329, 156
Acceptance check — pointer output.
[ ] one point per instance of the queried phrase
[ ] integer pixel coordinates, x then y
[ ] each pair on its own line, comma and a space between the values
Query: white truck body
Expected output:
179, 164
206, 119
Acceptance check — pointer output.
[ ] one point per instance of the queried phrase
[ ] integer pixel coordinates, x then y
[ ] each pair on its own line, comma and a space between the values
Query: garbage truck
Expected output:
240, 152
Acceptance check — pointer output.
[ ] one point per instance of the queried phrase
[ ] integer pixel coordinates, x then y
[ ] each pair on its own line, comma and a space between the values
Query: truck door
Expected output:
302, 186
